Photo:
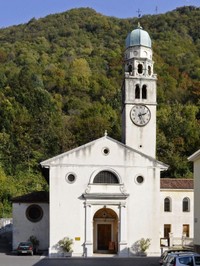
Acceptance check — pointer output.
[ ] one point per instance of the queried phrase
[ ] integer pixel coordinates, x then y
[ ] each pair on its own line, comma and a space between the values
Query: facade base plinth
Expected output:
88, 249
123, 250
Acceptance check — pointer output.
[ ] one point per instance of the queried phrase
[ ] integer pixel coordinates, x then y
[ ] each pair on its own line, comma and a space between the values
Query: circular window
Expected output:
70, 178
34, 213
106, 151
139, 179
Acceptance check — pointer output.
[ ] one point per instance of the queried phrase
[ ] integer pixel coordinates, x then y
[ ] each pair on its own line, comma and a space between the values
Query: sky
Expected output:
14, 12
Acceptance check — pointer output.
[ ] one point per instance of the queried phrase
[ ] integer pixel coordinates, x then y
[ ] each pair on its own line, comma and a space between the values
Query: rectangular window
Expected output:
167, 230
186, 230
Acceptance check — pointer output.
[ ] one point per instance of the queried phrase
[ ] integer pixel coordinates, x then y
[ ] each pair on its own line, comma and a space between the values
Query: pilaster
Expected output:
123, 250
88, 231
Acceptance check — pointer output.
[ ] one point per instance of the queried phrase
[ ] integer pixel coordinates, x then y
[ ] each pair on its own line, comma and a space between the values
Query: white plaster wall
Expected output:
143, 209
197, 201
23, 228
66, 208
177, 217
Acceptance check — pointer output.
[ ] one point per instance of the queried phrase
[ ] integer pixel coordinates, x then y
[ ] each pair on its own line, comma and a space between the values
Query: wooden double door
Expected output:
103, 236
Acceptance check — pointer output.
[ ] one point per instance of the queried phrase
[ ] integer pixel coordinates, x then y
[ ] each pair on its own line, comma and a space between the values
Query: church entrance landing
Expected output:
105, 231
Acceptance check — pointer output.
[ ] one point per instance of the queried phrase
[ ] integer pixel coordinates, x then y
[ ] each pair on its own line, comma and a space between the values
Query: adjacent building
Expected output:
195, 158
176, 209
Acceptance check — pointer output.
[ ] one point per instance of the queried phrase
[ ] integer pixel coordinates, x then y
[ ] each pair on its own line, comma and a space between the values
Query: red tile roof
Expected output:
176, 183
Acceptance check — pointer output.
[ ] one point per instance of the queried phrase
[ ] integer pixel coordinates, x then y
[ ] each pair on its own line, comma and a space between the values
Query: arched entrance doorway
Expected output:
105, 231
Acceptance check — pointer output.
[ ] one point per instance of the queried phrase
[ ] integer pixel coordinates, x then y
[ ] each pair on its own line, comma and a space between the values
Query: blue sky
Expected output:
14, 12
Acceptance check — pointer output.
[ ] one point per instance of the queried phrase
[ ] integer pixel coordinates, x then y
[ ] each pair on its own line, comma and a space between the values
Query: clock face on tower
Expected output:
140, 115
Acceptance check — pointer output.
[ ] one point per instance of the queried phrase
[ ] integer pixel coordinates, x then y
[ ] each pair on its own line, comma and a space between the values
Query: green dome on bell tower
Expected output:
138, 37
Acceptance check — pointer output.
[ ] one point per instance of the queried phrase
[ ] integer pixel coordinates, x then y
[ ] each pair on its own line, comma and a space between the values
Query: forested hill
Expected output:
60, 87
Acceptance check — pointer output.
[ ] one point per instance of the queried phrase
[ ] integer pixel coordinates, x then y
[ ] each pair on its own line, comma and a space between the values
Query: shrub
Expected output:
144, 244
66, 244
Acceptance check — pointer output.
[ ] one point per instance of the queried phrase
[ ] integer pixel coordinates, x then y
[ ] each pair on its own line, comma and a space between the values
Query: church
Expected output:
105, 195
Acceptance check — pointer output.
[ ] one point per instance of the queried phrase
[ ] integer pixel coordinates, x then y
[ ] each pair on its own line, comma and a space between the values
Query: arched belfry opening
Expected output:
144, 92
105, 224
137, 92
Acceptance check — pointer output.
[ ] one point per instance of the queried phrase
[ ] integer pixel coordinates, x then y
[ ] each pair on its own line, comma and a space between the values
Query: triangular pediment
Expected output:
104, 151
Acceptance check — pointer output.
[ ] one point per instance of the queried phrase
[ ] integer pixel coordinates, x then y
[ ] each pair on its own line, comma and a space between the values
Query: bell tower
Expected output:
139, 94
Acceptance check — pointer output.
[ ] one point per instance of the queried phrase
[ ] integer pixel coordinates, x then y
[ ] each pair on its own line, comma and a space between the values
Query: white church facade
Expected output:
104, 192
105, 195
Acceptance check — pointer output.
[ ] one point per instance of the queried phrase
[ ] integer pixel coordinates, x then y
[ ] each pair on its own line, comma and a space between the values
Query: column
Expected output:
123, 250
88, 231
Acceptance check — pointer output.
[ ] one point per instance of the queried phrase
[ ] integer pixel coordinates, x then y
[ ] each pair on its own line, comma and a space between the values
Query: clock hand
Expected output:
140, 114
141, 117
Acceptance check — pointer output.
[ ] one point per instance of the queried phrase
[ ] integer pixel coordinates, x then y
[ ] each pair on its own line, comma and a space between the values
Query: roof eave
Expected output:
194, 156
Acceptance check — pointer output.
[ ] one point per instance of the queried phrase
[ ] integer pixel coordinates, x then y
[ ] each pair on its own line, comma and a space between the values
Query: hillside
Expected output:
60, 87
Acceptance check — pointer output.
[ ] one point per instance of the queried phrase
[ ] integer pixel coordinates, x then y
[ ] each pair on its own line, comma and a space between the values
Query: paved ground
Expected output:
104, 262
13, 260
